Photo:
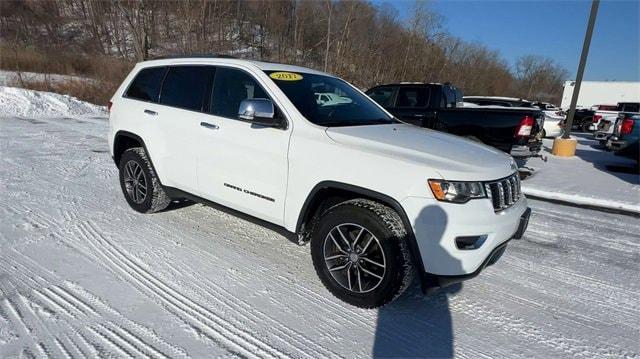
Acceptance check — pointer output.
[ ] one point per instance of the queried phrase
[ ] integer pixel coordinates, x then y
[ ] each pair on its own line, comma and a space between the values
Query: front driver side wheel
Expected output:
360, 252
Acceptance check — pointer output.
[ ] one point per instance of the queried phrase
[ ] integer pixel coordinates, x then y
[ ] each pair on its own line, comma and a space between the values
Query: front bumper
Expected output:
434, 282
436, 226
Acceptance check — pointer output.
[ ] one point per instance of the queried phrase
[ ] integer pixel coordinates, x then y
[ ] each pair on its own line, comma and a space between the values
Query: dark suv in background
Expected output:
516, 131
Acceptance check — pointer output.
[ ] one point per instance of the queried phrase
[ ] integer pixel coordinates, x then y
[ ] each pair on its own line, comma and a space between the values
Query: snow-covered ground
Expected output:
10, 78
592, 177
82, 275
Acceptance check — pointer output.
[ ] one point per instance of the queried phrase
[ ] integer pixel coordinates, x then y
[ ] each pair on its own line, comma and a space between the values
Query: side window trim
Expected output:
157, 102
164, 77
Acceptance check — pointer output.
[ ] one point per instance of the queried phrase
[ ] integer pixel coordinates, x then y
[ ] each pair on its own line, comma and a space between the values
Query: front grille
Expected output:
504, 192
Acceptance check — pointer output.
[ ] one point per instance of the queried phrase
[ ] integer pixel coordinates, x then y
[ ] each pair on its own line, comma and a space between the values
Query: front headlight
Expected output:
456, 191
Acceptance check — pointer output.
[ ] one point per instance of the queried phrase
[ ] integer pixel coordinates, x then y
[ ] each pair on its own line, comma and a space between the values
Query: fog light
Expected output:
470, 242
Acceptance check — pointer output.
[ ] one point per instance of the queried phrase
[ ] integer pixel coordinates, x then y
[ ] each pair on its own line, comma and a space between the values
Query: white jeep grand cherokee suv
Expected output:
378, 199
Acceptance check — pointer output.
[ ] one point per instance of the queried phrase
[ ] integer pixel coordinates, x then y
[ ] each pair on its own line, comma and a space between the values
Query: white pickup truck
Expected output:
605, 119
378, 200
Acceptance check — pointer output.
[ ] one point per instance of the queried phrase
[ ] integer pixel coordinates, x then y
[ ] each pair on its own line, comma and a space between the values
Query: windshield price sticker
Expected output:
286, 76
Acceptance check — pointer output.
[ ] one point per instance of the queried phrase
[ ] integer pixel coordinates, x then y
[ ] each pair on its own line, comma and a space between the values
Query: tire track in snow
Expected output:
593, 286
236, 339
301, 292
80, 309
46, 340
347, 316
526, 330
63, 349
286, 336
306, 347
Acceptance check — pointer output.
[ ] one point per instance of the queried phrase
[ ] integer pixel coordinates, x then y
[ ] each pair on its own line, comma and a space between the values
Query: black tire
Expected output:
585, 127
391, 243
155, 199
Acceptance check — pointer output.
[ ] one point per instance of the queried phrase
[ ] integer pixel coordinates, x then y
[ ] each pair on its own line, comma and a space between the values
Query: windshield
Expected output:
328, 101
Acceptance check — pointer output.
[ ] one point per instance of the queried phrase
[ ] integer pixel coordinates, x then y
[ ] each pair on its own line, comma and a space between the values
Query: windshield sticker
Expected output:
286, 76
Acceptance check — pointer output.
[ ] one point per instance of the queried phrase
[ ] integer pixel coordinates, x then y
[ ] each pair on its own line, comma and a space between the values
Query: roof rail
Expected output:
204, 56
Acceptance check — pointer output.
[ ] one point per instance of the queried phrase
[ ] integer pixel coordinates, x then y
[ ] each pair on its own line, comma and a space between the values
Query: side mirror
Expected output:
259, 111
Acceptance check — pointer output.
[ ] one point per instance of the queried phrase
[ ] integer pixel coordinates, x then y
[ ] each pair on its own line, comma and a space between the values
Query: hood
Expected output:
455, 158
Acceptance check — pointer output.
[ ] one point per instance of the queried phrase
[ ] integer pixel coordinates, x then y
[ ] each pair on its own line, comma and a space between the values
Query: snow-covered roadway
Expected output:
81, 274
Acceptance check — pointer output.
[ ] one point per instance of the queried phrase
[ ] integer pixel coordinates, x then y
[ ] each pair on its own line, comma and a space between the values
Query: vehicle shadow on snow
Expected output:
418, 325
623, 168
603, 160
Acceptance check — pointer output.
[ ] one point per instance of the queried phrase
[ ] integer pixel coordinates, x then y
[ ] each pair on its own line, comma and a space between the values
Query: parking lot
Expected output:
83, 275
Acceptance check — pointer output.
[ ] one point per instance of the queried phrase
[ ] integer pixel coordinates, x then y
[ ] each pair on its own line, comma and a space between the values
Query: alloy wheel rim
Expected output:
354, 257
135, 182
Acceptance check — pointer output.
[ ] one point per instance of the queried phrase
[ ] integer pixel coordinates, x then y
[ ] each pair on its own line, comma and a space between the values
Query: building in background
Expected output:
601, 92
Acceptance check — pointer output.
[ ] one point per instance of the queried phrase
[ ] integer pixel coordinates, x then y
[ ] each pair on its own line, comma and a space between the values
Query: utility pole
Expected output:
583, 61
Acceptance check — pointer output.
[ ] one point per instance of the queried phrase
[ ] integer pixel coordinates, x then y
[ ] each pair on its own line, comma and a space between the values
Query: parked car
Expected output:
607, 113
516, 131
605, 129
498, 101
553, 116
627, 138
554, 119
330, 99
582, 119
604, 107
379, 200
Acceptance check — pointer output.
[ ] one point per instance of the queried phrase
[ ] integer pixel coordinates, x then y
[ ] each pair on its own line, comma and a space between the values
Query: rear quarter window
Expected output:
146, 85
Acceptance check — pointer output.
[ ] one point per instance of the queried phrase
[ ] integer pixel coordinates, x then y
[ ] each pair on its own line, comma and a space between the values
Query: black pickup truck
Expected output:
516, 131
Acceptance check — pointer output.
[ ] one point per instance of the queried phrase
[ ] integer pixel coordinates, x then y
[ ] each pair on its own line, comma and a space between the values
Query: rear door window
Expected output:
630, 107
417, 97
382, 95
146, 85
187, 87
230, 87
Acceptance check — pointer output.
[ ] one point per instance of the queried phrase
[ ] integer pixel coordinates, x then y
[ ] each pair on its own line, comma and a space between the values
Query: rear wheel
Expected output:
360, 253
139, 183
585, 127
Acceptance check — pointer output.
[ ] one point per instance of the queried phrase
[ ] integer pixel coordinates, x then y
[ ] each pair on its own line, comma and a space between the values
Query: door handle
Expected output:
208, 125
149, 112
418, 115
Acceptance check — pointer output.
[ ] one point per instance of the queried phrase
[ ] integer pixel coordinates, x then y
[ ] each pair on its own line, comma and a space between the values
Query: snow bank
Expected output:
28, 103
581, 200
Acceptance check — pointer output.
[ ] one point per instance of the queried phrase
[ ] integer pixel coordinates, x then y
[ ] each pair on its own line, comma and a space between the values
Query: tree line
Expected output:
364, 43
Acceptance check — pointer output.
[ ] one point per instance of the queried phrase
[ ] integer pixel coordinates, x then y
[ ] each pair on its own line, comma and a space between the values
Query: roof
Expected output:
224, 59
497, 98
405, 83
